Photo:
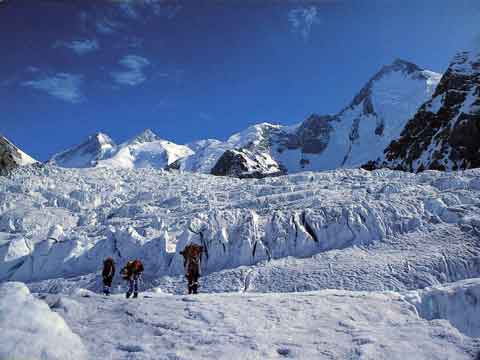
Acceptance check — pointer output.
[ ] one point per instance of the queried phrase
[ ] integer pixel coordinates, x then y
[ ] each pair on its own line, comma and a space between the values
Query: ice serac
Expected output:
87, 154
147, 150
445, 132
12, 157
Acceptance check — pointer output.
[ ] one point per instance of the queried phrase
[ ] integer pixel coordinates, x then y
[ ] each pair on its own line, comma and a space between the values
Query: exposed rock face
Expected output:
313, 135
445, 132
12, 157
243, 163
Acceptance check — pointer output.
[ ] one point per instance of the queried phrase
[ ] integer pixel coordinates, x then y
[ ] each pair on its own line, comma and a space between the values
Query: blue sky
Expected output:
203, 69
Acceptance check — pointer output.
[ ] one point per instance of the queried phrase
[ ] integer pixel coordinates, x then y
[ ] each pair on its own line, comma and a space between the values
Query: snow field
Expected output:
328, 324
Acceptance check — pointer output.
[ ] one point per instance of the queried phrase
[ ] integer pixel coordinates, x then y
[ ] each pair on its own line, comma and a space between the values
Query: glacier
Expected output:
337, 264
411, 230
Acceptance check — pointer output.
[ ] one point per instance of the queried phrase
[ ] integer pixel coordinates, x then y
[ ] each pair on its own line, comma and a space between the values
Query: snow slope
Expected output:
329, 324
30, 330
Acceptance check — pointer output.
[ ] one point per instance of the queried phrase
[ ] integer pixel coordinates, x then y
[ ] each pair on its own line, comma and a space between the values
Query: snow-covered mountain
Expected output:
144, 150
87, 154
445, 132
11, 156
355, 135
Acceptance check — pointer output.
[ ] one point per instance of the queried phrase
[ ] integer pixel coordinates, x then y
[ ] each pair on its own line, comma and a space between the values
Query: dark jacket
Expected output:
108, 268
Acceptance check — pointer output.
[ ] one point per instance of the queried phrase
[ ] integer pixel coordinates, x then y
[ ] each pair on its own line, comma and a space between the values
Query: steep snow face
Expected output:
30, 330
376, 116
11, 156
146, 150
57, 223
444, 134
329, 324
87, 154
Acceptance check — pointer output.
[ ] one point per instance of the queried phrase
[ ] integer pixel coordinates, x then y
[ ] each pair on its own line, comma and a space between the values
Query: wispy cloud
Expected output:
135, 9
107, 26
129, 9
80, 47
64, 86
302, 20
134, 70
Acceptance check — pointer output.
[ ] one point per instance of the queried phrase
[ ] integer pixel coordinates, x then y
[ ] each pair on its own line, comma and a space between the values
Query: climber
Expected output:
132, 272
192, 256
108, 273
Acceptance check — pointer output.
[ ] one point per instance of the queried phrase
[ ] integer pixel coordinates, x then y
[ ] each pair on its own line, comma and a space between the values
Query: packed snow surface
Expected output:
30, 330
327, 324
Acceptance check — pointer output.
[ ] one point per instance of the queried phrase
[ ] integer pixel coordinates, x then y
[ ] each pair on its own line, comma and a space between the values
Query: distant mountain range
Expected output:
404, 118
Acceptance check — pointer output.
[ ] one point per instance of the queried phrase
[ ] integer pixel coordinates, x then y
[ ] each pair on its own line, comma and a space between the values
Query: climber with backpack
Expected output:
192, 257
108, 273
132, 273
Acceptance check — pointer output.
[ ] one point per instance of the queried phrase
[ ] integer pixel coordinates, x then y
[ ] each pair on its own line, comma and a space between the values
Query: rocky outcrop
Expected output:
445, 132
12, 157
243, 163
312, 136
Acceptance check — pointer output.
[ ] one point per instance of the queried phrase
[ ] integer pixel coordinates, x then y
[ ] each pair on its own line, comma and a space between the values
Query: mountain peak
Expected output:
87, 153
409, 70
403, 65
103, 138
145, 136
